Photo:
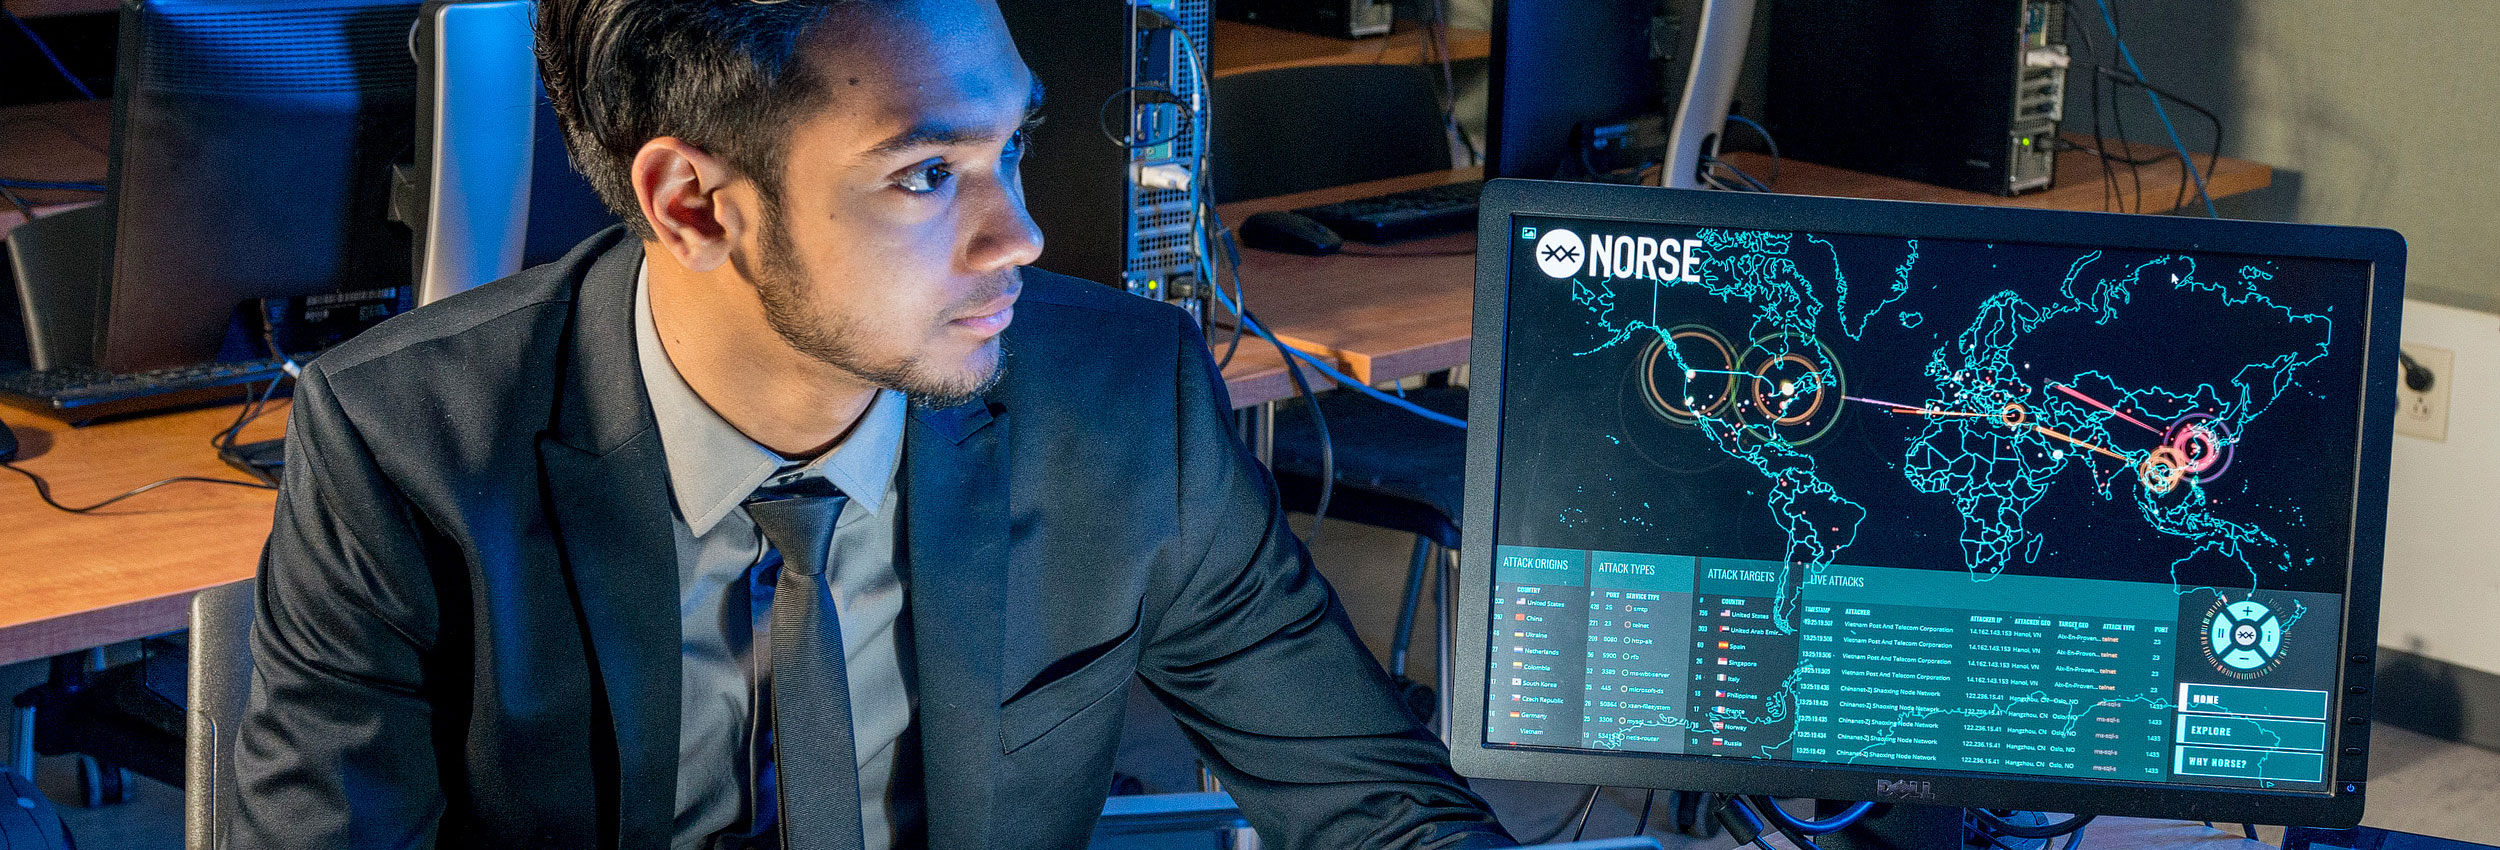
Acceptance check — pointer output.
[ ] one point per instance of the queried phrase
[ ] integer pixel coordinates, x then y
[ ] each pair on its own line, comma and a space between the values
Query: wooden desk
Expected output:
1381, 316
70, 582
78, 581
2078, 185
1239, 48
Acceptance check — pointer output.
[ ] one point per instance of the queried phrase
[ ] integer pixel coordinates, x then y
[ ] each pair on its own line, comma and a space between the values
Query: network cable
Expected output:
2125, 78
1204, 226
46, 50
251, 409
2185, 160
1349, 382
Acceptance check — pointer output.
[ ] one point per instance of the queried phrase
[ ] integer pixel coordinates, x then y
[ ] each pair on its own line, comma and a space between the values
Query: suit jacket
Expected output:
467, 632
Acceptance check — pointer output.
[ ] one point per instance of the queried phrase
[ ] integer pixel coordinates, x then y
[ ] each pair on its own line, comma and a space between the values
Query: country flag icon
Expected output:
1719, 694
1723, 677
1722, 644
1514, 714
1518, 616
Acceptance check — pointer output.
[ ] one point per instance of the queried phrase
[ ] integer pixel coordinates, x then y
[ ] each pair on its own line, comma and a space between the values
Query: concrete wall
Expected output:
2442, 592
2378, 114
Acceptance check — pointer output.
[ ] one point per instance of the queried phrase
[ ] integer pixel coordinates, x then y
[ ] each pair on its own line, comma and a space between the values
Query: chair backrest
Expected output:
1295, 129
221, 676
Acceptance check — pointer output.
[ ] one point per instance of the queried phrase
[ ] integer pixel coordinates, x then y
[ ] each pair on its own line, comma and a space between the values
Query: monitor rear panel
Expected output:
252, 143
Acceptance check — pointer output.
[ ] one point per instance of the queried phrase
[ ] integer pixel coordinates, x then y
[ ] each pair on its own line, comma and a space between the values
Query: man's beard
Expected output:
834, 340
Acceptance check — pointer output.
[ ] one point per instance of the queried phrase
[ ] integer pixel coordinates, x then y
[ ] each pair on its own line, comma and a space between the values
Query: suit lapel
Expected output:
955, 552
608, 500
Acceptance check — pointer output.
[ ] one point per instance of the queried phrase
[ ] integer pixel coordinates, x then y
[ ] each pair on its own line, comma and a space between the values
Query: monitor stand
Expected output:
1895, 827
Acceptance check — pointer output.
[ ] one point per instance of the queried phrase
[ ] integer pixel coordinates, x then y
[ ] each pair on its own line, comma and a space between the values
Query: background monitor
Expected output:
252, 141
1563, 67
1559, 64
489, 190
1930, 504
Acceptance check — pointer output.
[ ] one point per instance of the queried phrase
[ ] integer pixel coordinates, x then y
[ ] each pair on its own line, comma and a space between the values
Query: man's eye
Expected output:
1016, 144
926, 179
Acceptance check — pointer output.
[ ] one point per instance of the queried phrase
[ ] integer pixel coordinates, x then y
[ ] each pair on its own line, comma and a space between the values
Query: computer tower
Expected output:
1334, 18
1958, 93
1099, 175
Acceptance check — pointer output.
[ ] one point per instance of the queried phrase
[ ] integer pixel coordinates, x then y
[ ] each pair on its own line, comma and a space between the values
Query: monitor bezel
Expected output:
2339, 806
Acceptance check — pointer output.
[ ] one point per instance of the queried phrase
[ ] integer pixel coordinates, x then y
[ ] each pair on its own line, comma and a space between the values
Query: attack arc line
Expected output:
2043, 429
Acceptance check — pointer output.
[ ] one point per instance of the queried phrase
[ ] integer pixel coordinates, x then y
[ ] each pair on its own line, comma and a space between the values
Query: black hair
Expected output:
724, 75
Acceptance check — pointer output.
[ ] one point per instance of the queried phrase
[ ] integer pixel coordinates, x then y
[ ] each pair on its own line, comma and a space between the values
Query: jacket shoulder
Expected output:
1058, 290
469, 315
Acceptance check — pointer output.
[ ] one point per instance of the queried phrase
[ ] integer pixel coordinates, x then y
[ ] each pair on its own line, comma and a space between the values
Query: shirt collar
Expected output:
713, 467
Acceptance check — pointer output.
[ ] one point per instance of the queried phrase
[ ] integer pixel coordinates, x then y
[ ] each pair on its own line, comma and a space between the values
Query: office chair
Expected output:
1295, 129
221, 676
1292, 130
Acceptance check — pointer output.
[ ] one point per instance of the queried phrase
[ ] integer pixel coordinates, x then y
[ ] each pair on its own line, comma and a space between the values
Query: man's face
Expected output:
893, 248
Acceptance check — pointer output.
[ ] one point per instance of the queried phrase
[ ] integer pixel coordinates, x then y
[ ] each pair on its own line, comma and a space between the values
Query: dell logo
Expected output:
1559, 253
1904, 789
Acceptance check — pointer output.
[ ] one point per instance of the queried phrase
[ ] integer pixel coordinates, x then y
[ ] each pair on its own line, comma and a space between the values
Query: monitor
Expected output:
252, 141
1928, 504
490, 190
1572, 78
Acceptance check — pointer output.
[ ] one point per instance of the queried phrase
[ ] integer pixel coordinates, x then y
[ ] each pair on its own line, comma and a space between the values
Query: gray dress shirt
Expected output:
712, 468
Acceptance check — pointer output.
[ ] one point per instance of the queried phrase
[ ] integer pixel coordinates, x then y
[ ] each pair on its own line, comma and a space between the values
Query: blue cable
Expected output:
53, 185
1341, 378
2185, 159
1757, 127
1817, 827
74, 82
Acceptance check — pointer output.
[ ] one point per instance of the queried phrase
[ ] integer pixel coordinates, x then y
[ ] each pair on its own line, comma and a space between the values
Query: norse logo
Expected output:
1560, 253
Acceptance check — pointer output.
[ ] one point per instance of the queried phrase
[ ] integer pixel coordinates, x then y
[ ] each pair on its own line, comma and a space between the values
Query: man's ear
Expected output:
681, 190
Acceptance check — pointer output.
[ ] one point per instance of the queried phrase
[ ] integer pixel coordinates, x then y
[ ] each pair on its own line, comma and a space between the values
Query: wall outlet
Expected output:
2424, 414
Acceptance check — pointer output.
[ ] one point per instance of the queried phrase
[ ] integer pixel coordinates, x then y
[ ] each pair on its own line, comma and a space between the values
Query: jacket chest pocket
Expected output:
1068, 687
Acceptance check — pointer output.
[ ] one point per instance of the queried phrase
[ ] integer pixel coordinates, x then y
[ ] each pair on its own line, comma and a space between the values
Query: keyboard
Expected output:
81, 394
1412, 214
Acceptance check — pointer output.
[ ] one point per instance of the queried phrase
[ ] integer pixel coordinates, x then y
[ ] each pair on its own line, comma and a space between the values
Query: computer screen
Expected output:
1972, 506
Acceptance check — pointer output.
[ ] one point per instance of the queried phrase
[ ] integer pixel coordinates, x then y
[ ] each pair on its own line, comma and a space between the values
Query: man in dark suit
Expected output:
795, 512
